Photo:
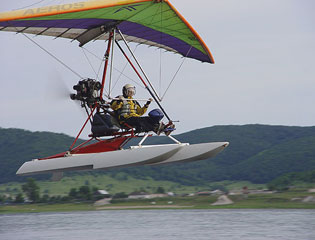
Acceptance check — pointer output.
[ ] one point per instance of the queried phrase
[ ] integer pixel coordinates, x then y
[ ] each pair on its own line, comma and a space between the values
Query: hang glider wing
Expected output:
151, 22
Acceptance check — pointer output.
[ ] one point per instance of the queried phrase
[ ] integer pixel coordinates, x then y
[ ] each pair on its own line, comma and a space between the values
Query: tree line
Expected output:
257, 153
31, 194
285, 181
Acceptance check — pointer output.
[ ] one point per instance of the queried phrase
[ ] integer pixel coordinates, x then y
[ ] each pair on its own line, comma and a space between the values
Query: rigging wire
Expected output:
36, 3
57, 2
99, 68
96, 74
111, 63
119, 71
139, 66
53, 56
160, 77
158, 15
122, 73
176, 73
99, 58
29, 5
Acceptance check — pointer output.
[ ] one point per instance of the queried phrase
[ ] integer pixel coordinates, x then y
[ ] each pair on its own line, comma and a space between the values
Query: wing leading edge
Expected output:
151, 22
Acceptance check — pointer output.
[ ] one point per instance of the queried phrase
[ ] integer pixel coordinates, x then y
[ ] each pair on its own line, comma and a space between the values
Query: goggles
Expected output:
131, 91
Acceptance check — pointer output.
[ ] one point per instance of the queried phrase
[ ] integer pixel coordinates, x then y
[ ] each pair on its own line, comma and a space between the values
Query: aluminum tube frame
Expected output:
134, 57
89, 117
111, 63
144, 83
106, 63
101, 93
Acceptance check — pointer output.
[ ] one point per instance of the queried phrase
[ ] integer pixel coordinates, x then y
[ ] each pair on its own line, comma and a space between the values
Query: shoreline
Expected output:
66, 207
144, 207
283, 200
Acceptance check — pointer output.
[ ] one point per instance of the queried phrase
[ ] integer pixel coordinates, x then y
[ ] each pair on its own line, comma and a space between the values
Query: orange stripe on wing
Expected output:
193, 31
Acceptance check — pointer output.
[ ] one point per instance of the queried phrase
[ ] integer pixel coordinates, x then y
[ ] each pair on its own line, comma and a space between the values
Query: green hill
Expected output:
257, 153
18, 146
290, 156
250, 147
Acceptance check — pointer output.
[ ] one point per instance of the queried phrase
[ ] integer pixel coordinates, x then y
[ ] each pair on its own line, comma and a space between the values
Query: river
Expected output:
161, 225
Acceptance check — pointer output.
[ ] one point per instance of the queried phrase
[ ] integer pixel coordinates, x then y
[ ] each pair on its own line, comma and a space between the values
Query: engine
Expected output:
88, 92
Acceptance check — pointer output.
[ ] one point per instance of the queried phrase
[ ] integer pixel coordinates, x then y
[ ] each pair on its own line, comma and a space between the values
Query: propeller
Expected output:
57, 88
58, 91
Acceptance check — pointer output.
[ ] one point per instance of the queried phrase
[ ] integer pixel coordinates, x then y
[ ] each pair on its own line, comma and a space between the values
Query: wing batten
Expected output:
45, 30
60, 35
22, 30
149, 22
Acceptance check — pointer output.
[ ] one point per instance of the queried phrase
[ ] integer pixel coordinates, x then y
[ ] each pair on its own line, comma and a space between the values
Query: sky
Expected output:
264, 71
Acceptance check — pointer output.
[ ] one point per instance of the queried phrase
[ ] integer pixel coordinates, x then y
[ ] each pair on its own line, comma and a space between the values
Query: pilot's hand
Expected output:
121, 98
148, 102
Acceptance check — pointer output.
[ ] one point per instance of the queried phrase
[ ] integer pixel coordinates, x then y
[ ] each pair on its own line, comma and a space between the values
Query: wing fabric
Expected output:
151, 22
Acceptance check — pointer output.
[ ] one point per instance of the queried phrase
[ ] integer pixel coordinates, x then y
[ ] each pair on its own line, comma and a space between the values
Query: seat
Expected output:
104, 124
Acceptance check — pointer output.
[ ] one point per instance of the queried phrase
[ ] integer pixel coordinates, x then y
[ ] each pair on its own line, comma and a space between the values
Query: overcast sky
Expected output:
264, 71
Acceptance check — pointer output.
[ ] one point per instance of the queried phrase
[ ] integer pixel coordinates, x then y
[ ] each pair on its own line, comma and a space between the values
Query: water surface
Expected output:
161, 224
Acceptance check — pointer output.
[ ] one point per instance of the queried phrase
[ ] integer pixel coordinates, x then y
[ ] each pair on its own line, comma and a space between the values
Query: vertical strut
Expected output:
134, 57
106, 63
111, 63
101, 93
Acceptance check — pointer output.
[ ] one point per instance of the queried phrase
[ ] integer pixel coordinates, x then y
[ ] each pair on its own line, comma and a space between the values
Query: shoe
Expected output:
168, 130
160, 128
172, 126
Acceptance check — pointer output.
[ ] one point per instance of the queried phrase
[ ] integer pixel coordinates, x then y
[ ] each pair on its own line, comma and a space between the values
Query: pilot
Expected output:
129, 112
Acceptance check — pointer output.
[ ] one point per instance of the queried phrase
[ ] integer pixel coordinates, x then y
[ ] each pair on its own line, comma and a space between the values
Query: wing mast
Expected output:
153, 95
107, 54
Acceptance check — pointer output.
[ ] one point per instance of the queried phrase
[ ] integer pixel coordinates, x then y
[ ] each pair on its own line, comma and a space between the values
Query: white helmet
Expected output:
129, 90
